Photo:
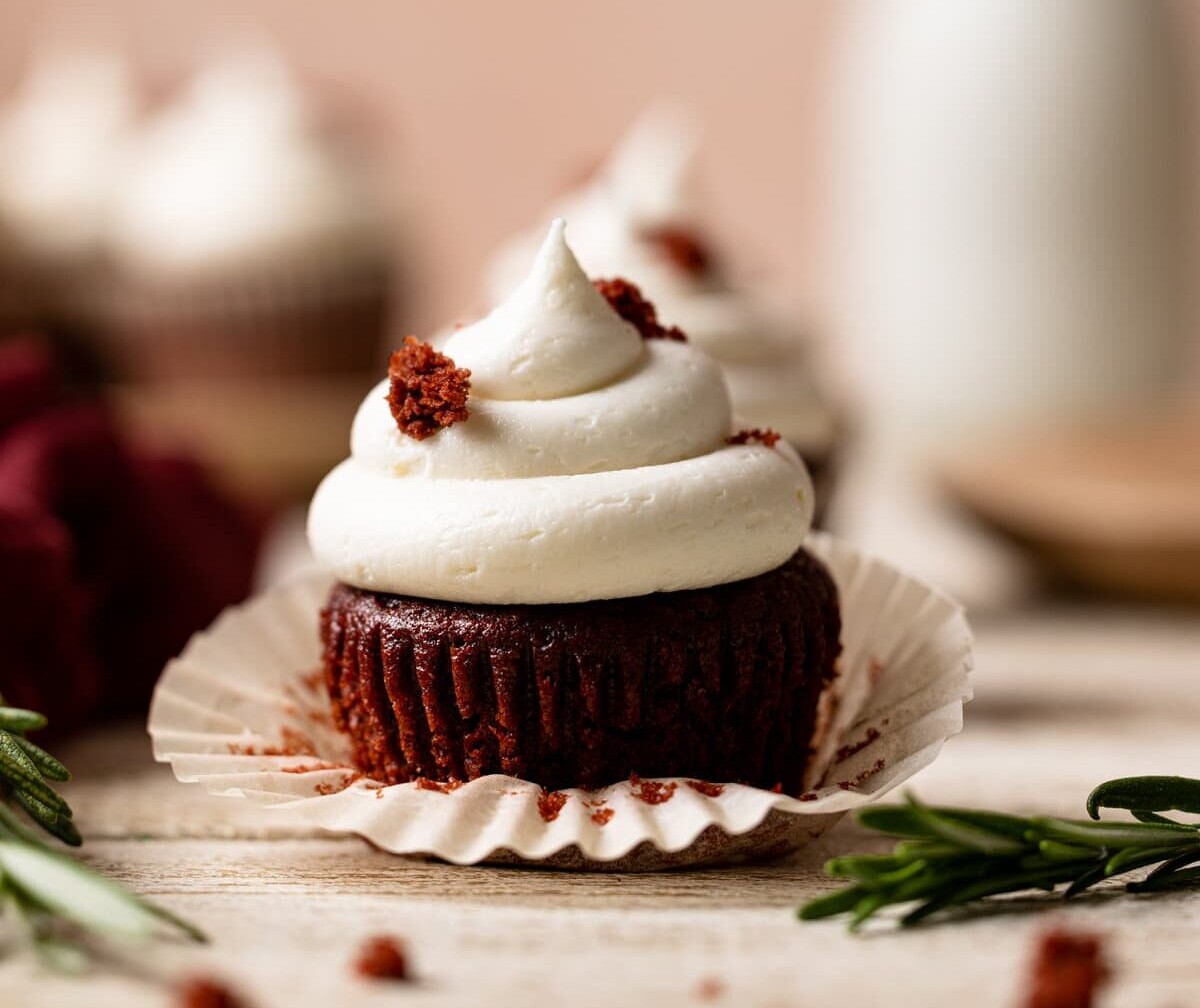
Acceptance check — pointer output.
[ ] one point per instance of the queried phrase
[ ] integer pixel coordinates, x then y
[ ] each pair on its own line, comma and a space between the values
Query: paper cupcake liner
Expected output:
243, 712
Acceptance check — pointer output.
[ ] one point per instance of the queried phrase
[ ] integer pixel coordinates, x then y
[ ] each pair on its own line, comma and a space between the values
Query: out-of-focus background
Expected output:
476, 115
947, 248
977, 219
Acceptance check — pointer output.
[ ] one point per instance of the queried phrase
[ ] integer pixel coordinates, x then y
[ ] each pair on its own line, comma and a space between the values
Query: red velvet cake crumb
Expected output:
627, 301
861, 778
428, 393
652, 792
682, 247
550, 804
846, 751
201, 993
710, 988
766, 437
440, 786
382, 958
346, 781
1068, 971
602, 816
707, 789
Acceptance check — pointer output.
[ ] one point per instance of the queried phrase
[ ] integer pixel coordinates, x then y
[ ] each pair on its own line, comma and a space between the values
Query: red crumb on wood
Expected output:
764, 436
550, 804
1068, 971
382, 958
707, 789
710, 988
440, 786
846, 751
682, 246
860, 779
651, 792
627, 301
427, 393
199, 992
602, 816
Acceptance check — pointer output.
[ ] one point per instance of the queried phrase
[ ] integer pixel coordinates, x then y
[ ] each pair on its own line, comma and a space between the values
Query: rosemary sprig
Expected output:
948, 857
56, 899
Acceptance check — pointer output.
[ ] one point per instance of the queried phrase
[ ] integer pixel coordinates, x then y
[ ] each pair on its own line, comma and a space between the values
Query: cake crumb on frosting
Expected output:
627, 301
427, 393
764, 436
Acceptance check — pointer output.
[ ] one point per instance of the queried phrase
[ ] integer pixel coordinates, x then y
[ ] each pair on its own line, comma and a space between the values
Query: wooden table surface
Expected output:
1066, 698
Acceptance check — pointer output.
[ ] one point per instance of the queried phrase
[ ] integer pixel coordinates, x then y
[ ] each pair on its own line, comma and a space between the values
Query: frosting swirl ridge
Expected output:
593, 465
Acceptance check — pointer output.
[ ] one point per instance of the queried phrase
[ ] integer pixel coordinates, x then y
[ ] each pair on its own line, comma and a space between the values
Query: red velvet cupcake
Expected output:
558, 561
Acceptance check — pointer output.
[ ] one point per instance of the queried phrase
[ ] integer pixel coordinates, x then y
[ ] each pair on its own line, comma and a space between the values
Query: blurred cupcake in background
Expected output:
250, 275
636, 217
62, 137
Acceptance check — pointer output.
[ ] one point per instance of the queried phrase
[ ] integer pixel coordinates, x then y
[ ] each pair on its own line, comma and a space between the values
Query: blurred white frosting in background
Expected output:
62, 136
236, 173
1011, 213
622, 220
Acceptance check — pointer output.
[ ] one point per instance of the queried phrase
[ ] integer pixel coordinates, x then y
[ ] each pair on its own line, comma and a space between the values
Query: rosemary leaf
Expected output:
53, 822
1146, 794
947, 857
17, 719
43, 887
49, 767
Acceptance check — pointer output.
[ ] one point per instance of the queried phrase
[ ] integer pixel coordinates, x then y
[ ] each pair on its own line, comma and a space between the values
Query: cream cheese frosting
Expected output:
235, 175
594, 465
647, 185
61, 142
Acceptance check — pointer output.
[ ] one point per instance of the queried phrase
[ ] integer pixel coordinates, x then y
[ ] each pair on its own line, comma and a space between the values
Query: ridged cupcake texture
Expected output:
588, 576
719, 684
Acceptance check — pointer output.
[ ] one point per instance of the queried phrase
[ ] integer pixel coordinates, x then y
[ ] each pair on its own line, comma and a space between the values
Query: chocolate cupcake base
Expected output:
719, 683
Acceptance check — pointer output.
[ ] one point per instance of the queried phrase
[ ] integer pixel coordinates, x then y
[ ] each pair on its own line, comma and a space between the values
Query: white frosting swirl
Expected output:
646, 184
236, 175
594, 465
61, 142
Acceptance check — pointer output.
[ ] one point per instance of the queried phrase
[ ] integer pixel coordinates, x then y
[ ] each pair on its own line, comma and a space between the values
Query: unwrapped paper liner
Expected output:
243, 712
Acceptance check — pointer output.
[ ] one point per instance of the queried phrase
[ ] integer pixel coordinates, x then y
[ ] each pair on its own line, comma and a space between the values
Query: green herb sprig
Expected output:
57, 899
949, 857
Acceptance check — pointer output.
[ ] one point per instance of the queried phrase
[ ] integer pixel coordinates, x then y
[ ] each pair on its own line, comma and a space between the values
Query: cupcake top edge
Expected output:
567, 447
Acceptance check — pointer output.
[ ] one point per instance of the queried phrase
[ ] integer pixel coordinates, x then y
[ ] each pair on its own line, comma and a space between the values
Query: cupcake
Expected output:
558, 559
61, 141
251, 273
636, 217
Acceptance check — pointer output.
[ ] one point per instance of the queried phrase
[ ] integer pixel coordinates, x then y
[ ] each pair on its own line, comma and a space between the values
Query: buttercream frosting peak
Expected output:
593, 464
555, 336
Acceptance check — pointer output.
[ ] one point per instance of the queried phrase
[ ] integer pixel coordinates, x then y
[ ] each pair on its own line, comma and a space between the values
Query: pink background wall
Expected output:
482, 110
